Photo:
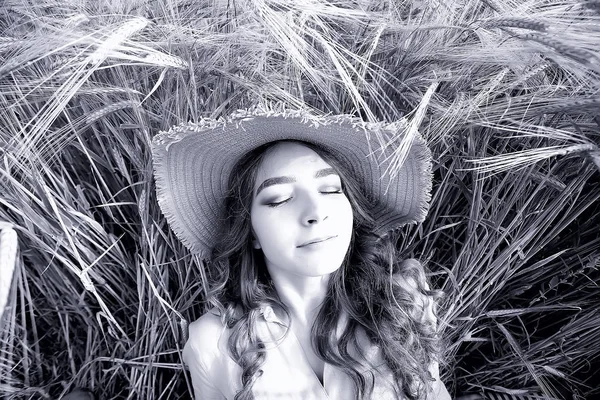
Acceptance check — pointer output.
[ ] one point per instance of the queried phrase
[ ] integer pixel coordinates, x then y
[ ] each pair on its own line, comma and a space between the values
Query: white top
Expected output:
287, 373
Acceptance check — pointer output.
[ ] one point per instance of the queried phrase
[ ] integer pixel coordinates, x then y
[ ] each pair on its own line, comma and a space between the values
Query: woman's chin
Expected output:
319, 268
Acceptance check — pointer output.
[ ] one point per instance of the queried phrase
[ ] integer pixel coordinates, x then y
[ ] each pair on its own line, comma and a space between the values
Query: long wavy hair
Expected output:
381, 294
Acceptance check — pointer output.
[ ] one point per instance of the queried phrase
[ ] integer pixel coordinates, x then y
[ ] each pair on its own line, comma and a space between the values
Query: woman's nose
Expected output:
314, 210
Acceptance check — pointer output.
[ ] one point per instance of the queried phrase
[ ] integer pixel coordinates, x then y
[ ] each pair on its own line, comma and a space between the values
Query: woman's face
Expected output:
300, 218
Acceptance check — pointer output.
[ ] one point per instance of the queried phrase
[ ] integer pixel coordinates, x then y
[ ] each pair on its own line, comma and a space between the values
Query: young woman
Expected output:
295, 215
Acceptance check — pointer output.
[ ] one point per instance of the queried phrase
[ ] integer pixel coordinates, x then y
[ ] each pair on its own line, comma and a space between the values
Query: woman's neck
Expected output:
303, 295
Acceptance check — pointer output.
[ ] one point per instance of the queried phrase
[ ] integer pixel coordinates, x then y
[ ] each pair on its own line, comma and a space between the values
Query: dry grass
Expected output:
102, 290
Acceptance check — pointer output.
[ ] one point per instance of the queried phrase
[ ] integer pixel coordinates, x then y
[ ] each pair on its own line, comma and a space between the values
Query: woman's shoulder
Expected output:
205, 336
207, 326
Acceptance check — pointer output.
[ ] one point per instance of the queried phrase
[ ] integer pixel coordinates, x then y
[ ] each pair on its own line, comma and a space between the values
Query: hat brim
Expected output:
193, 162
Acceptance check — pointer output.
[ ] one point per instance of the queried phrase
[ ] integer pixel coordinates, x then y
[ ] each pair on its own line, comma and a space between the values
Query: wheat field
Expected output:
506, 92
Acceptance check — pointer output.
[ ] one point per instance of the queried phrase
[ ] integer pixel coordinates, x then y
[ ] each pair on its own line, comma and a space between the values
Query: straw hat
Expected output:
193, 161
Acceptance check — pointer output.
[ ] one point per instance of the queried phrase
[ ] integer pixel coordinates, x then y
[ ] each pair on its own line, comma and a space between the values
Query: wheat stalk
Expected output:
113, 41
104, 111
514, 22
8, 256
578, 54
520, 159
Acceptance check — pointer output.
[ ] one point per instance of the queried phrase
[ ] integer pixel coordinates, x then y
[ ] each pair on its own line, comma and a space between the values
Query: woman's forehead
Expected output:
289, 158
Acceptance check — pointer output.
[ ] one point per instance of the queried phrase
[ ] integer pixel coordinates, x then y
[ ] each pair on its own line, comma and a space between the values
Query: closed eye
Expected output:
278, 203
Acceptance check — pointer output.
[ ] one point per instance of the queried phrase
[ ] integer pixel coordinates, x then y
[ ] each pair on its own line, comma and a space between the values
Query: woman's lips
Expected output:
317, 241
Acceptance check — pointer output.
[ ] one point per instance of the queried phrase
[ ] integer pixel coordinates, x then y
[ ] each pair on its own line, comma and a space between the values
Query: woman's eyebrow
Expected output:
278, 180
